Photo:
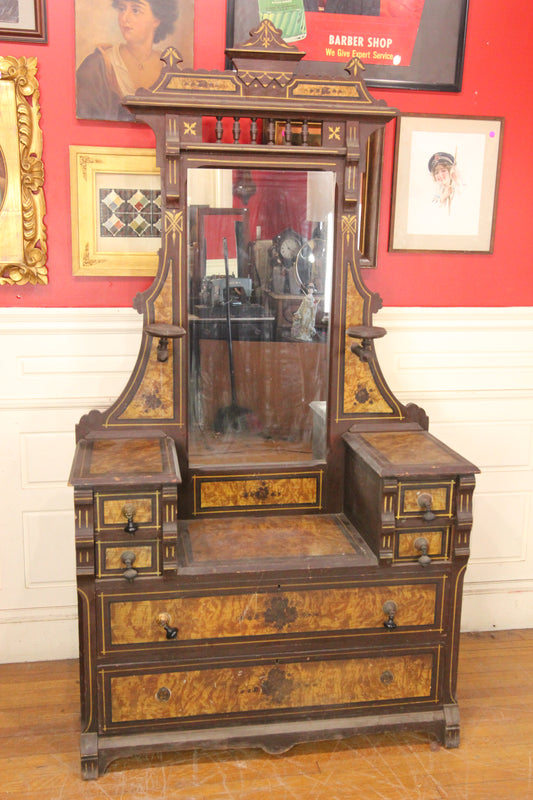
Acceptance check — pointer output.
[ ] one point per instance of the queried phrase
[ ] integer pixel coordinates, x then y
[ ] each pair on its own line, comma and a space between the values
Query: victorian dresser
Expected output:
270, 546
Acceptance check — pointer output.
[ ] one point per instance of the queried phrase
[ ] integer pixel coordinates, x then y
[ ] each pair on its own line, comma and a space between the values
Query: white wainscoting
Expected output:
471, 369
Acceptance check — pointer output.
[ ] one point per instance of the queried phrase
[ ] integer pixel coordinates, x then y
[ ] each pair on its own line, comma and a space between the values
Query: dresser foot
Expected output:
89, 756
452, 726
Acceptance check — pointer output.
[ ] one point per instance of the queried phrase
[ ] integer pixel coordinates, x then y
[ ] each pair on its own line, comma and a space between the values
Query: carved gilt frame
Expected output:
22, 207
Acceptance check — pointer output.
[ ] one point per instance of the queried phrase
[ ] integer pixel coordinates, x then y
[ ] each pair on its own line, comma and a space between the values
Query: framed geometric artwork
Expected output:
23, 250
116, 210
23, 21
445, 183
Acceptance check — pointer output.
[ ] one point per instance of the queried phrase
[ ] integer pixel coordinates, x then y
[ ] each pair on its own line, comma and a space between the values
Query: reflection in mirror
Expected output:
259, 300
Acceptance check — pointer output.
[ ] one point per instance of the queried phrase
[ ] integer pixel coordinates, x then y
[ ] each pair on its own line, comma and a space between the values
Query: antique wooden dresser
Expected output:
270, 547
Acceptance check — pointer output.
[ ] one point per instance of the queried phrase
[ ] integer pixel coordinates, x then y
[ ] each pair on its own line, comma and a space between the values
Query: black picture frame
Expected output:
438, 54
29, 26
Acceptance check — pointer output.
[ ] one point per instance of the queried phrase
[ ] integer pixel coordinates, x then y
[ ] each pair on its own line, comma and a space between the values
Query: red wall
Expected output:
497, 79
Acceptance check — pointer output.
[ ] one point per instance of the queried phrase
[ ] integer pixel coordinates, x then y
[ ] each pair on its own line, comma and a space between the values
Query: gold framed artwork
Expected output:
445, 184
116, 210
23, 248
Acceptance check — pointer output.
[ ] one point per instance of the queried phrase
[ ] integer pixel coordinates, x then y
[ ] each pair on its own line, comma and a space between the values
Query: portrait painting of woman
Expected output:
118, 49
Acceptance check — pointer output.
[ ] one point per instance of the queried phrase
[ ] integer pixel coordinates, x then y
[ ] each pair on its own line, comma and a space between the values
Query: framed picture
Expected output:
23, 21
116, 210
23, 248
109, 36
445, 184
368, 208
408, 44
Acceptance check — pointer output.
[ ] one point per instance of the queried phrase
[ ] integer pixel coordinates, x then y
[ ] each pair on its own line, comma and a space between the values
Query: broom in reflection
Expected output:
233, 418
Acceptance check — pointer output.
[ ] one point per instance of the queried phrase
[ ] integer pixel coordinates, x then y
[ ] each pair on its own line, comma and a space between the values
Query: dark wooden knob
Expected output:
163, 620
425, 502
422, 545
389, 609
127, 558
128, 511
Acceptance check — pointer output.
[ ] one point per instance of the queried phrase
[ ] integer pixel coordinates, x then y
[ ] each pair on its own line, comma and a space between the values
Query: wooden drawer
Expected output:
413, 498
134, 623
408, 546
245, 494
114, 558
276, 688
110, 513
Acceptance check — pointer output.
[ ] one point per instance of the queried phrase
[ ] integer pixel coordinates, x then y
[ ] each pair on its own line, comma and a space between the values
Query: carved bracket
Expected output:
463, 514
84, 509
388, 520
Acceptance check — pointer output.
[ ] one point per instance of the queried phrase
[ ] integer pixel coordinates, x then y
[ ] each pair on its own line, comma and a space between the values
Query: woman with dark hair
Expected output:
443, 168
113, 71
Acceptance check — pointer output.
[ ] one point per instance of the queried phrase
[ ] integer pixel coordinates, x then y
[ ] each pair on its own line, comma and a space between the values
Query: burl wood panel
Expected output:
437, 542
360, 393
411, 447
154, 397
112, 509
441, 498
239, 689
139, 456
283, 491
267, 537
256, 614
112, 556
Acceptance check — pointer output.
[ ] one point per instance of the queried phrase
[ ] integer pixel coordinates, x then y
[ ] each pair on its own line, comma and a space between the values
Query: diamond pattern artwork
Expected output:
130, 213
113, 225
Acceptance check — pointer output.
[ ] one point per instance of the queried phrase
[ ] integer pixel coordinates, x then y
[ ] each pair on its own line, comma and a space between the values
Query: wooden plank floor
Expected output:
39, 746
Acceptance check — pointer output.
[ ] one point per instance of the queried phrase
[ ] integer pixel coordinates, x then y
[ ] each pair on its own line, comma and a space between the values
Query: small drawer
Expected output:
242, 493
116, 558
283, 689
140, 511
425, 501
134, 623
411, 545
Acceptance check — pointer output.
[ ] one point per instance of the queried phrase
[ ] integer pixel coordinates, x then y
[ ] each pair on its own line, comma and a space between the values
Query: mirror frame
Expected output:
24, 201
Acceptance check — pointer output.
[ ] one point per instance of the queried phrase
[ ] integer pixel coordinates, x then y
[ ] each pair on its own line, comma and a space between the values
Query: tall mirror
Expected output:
260, 264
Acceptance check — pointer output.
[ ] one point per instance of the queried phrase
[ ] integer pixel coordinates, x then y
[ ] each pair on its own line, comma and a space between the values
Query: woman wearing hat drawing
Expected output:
443, 168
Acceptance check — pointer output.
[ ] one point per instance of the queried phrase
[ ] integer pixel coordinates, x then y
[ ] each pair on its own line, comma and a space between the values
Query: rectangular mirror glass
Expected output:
260, 253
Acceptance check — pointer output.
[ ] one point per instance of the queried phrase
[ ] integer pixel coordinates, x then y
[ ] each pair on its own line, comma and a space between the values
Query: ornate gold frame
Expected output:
89, 254
23, 252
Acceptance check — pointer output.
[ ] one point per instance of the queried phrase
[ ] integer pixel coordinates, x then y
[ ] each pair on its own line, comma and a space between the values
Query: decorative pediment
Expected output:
266, 39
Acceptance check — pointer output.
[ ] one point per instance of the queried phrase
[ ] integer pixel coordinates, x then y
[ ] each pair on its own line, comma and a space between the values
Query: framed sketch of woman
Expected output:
118, 49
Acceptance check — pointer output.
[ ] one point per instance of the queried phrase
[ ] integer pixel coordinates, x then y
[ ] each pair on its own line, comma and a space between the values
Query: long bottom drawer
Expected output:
187, 697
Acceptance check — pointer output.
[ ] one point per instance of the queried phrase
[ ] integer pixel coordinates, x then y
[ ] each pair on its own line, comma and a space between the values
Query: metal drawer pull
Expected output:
422, 545
128, 511
128, 558
425, 501
163, 695
387, 677
163, 620
389, 609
